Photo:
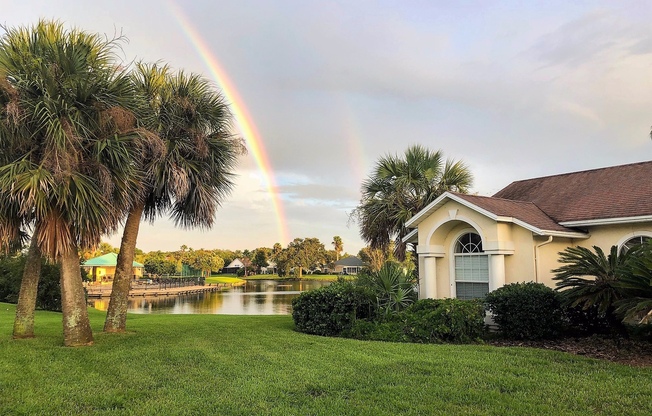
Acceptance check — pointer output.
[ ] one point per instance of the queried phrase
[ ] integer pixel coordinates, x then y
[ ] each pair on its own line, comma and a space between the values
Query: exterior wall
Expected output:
526, 257
107, 273
606, 236
347, 269
548, 255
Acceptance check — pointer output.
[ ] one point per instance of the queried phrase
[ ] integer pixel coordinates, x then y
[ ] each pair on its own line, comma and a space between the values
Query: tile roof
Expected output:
524, 211
613, 192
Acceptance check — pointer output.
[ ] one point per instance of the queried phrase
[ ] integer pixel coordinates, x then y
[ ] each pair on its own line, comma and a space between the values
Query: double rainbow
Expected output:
244, 120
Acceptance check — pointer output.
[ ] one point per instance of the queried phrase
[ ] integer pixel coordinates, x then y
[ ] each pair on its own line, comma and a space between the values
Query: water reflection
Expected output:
258, 297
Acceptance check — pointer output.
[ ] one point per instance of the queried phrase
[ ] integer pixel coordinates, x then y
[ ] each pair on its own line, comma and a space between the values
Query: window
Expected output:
471, 267
633, 242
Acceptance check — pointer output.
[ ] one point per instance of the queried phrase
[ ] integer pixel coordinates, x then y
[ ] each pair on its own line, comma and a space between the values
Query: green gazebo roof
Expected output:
107, 260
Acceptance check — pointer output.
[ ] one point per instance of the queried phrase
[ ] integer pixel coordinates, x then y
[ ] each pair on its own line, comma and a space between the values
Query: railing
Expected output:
167, 282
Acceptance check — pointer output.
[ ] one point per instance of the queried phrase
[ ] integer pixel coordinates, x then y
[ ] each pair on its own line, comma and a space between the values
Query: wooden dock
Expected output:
100, 291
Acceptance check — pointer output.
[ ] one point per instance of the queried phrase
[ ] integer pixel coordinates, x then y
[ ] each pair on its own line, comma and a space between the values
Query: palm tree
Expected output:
69, 163
338, 246
589, 278
191, 178
635, 286
400, 187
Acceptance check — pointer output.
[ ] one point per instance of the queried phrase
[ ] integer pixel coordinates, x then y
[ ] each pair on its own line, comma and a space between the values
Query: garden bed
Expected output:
624, 351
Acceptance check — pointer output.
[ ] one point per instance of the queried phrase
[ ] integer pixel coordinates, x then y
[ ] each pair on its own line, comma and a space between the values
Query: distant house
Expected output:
270, 269
348, 265
233, 267
102, 268
469, 245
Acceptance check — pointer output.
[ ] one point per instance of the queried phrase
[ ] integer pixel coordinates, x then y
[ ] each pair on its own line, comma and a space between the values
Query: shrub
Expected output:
390, 330
49, 289
445, 320
331, 309
426, 321
526, 311
393, 287
586, 321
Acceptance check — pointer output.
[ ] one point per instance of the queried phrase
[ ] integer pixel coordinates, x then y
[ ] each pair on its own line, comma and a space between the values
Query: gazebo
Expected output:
102, 268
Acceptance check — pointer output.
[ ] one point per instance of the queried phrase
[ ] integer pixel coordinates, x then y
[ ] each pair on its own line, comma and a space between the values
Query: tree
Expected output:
400, 187
373, 258
338, 246
206, 261
260, 260
303, 254
157, 263
192, 176
72, 171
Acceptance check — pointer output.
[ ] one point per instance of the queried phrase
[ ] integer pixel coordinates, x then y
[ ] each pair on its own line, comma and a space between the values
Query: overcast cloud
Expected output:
515, 90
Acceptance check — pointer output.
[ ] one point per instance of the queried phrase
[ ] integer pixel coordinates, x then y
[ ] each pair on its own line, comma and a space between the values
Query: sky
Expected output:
323, 89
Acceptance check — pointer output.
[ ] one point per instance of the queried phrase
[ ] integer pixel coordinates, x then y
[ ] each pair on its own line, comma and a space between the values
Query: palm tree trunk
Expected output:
24, 322
76, 326
116, 316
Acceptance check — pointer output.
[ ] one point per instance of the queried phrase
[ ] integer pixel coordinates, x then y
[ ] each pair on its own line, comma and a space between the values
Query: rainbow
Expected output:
244, 120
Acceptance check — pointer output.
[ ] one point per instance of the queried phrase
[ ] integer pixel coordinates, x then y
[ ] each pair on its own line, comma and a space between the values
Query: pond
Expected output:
257, 297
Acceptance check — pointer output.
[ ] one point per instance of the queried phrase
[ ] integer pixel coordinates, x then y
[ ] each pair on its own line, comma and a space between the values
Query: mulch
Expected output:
623, 351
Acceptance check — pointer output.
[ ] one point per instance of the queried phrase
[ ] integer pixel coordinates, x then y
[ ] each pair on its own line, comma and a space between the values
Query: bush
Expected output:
49, 289
427, 321
393, 287
331, 309
526, 311
445, 320
585, 322
390, 330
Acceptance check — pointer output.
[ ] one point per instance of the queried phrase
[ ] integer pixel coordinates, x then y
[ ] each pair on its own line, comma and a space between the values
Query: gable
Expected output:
525, 214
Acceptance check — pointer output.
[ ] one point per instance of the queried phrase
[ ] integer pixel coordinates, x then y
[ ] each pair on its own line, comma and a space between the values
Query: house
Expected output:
348, 265
269, 269
233, 267
102, 268
469, 245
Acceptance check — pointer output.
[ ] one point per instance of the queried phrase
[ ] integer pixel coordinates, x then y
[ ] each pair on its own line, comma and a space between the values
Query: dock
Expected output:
100, 291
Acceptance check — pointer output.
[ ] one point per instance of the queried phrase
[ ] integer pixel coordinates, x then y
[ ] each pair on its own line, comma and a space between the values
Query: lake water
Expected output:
257, 297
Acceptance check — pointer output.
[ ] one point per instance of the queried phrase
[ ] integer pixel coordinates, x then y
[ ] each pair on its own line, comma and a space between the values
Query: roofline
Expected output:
414, 221
409, 236
606, 221
576, 172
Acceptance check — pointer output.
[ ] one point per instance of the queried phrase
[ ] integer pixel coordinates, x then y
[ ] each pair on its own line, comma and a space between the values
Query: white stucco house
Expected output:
233, 267
469, 245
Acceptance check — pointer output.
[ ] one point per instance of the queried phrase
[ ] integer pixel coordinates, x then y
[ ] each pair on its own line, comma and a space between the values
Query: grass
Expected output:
243, 365
227, 280
323, 277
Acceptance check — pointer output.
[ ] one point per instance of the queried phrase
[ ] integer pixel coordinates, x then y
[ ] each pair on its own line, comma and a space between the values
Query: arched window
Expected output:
633, 242
471, 267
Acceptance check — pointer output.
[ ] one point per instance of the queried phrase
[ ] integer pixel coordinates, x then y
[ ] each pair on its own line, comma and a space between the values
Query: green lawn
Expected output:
227, 280
252, 365
325, 277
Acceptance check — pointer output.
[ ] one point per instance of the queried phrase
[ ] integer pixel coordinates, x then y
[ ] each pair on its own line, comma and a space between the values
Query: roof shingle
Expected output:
613, 192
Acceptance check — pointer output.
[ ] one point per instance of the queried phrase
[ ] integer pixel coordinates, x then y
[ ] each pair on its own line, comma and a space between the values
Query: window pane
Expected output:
469, 243
633, 242
472, 268
466, 290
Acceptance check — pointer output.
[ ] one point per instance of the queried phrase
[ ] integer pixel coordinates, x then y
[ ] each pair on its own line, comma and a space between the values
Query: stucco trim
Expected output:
628, 236
411, 237
437, 203
460, 218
